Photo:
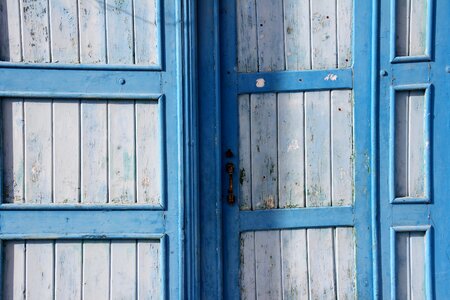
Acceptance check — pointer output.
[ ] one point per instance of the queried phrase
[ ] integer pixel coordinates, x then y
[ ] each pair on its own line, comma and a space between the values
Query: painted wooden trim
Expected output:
296, 218
81, 224
429, 32
427, 229
26, 82
427, 135
291, 81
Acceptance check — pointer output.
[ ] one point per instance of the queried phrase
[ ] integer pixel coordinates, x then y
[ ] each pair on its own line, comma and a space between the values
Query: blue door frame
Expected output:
218, 86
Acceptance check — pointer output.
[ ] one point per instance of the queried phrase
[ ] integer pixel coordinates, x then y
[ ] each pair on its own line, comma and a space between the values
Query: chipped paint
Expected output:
330, 76
260, 82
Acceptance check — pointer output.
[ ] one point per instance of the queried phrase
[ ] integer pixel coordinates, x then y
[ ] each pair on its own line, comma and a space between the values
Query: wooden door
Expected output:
414, 113
296, 127
91, 146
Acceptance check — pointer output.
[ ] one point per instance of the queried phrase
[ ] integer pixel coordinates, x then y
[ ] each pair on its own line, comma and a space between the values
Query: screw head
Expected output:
122, 81
383, 73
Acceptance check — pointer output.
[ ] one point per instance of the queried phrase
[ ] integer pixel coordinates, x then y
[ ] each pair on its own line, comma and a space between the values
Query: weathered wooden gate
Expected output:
91, 140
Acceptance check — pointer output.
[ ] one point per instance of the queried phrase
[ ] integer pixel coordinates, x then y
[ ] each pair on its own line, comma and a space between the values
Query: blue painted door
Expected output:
92, 149
414, 164
295, 103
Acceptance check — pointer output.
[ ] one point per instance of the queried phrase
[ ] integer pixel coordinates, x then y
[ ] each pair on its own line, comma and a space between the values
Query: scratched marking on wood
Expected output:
75, 269
71, 151
84, 31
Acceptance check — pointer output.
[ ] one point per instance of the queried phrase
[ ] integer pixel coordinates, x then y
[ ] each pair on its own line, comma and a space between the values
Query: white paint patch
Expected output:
260, 82
332, 77
293, 145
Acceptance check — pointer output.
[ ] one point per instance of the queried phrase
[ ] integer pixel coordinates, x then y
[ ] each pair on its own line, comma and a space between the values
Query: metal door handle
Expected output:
229, 167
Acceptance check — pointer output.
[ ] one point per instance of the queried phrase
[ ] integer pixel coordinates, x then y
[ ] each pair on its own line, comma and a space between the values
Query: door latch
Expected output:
229, 167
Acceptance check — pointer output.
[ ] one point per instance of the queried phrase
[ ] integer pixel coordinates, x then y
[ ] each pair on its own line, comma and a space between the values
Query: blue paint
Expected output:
293, 81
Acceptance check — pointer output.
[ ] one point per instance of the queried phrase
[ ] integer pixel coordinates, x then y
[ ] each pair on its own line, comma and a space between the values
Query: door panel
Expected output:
91, 193
414, 165
292, 116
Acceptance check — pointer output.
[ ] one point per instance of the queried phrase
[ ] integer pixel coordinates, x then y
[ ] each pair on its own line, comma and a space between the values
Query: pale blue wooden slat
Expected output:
344, 32
323, 34
345, 263
147, 32
68, 269
245, 167
13, 270
40, 281
123, 269
10, 31
35, 31
92, 32
418, 27
119, 32
401, 143
402, 266
150, 279
268, 265
418, 265
246, 36
247, 269
96, 270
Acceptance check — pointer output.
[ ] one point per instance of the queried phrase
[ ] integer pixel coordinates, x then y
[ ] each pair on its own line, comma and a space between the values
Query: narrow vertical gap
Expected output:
338, 41
308, 263
335, 260
110, 270
53, 151
25, 267
49, 18
23, 200
284, 35
133, 30
304, 148
408, 264
408, 150
254, 263
136, 270
54, 268
82, 270
257, 36
81, 150
280, 242
108, 149
277, 205
80, 147
135, 128
330, 100
311, 45
408, 28
24, 141
21, 28
78, 30
105, 6
252, 207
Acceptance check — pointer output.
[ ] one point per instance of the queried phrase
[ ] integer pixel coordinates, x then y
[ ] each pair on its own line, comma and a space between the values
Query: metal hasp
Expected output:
229, 167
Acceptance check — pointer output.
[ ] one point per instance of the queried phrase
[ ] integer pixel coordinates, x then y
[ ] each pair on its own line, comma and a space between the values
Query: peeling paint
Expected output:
330, 76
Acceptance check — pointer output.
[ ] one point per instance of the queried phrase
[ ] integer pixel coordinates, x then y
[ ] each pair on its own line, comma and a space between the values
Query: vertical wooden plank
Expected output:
10, 31
68, 265
96, 270
342, 147
321, 264
403, 8
345, 263
13, 150
270, 35
416, 144
247, 47
92, 31
317, 136
418, 27
417, 265
64, 31
35, 31
120, 32
297, 34
402, 265
123, 269
268, 264
264, 151
14, 270
40, 270
94, 151
148, 144
291, 154
146, 32
245, 169
247, 266
401, 143
121, 152
294, 261
38, 151
149, 270
66, 150
344, 32
323, 34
